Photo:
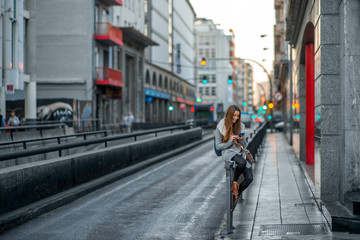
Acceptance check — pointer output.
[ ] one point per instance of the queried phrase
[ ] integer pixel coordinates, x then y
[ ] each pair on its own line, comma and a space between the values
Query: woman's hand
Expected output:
233, 137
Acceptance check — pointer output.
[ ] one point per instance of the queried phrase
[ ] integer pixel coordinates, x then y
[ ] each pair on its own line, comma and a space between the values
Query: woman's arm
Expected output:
218, 140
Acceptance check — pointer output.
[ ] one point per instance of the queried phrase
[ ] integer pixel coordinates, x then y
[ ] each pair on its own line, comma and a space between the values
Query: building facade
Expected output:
326, 41
244, 86
213, 45
281, 58
169, 66
17, 58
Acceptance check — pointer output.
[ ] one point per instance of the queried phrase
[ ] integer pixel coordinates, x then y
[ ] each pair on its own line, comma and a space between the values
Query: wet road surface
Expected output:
180, 198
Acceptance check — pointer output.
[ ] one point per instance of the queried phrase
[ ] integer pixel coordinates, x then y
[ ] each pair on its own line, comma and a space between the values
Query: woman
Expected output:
228, 141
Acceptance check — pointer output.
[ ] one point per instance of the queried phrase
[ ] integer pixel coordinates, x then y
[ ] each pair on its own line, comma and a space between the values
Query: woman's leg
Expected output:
248, 179
240, 166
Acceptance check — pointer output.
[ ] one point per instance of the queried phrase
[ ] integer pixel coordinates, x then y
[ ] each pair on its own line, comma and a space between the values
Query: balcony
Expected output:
108, 77
108, 34
112, 2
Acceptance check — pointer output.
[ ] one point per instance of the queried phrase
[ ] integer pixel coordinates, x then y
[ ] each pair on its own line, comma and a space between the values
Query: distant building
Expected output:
244, 85
169, 74
212, 44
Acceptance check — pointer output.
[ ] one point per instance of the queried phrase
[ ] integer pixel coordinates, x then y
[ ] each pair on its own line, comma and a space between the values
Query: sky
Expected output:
248, 19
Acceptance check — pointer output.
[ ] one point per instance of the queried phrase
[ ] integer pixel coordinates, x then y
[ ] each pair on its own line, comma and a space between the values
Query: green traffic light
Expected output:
229, 79
244, 103
205, 81
171, 108
269, 117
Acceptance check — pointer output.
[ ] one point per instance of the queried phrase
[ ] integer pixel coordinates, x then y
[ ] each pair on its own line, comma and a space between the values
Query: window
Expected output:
201, 90
213, 91
166, 83
154, 79
160, 81
213, 78
207, 91
147, 77
213, 53
207, 53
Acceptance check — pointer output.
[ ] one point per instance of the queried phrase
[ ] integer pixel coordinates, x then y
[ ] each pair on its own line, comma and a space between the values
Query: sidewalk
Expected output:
279, 203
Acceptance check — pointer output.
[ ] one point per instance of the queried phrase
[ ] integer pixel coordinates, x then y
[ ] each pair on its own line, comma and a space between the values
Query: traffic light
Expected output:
212, 108
205, 81
171, 108
203, 62
229, 79
271, 105
198, 99
244, 103
192, 109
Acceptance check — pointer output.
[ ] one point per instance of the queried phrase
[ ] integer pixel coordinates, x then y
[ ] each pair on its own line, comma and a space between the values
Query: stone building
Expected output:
325, 36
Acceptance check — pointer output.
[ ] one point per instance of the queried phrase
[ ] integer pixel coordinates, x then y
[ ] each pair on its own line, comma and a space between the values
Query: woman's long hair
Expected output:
232, 128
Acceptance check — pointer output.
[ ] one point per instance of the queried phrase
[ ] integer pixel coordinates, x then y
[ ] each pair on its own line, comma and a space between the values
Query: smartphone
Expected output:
241, 134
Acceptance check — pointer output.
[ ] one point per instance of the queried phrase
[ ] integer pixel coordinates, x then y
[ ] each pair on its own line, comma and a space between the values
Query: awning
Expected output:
157, 94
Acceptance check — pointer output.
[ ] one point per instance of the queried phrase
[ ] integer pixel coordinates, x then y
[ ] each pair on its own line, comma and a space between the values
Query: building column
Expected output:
30, 88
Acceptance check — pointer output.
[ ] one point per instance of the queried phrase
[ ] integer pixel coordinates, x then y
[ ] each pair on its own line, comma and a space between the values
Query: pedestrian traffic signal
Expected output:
203, 62
171, 108
205, 81
230, 79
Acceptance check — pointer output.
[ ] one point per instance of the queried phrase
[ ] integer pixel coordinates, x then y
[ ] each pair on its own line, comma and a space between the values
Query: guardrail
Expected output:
253, 146
40, 127
105, 140
24, 142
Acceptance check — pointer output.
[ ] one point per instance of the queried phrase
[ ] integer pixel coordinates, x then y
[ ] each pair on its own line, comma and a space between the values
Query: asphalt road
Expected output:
180, 198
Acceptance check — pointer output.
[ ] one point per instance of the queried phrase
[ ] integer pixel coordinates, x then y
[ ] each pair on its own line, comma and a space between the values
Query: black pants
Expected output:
242, 169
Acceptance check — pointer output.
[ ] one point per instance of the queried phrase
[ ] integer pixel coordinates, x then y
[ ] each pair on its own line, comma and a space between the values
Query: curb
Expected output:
31, 211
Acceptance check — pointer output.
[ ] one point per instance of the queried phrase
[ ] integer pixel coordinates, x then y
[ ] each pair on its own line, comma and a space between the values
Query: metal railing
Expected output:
39, 127
105, 140
254, 143
24, 142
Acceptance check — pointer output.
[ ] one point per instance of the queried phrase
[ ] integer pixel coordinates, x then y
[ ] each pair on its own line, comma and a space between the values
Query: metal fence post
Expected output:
229, 205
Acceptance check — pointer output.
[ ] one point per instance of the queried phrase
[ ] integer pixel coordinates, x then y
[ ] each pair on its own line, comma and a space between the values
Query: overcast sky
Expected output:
249, 19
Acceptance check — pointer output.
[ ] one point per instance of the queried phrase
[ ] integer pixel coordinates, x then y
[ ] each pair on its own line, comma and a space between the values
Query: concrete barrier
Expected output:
27, 183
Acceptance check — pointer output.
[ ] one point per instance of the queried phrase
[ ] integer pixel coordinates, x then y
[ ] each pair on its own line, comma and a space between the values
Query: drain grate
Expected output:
292, 229
304, 204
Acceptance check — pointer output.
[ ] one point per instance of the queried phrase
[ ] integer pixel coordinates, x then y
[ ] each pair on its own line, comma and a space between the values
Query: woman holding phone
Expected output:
229, 136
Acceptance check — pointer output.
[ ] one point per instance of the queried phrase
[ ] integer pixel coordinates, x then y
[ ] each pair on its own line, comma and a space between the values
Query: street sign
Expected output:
10, 88
278, 96
182, 106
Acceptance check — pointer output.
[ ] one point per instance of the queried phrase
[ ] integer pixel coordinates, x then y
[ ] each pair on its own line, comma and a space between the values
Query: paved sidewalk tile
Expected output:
279, 198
